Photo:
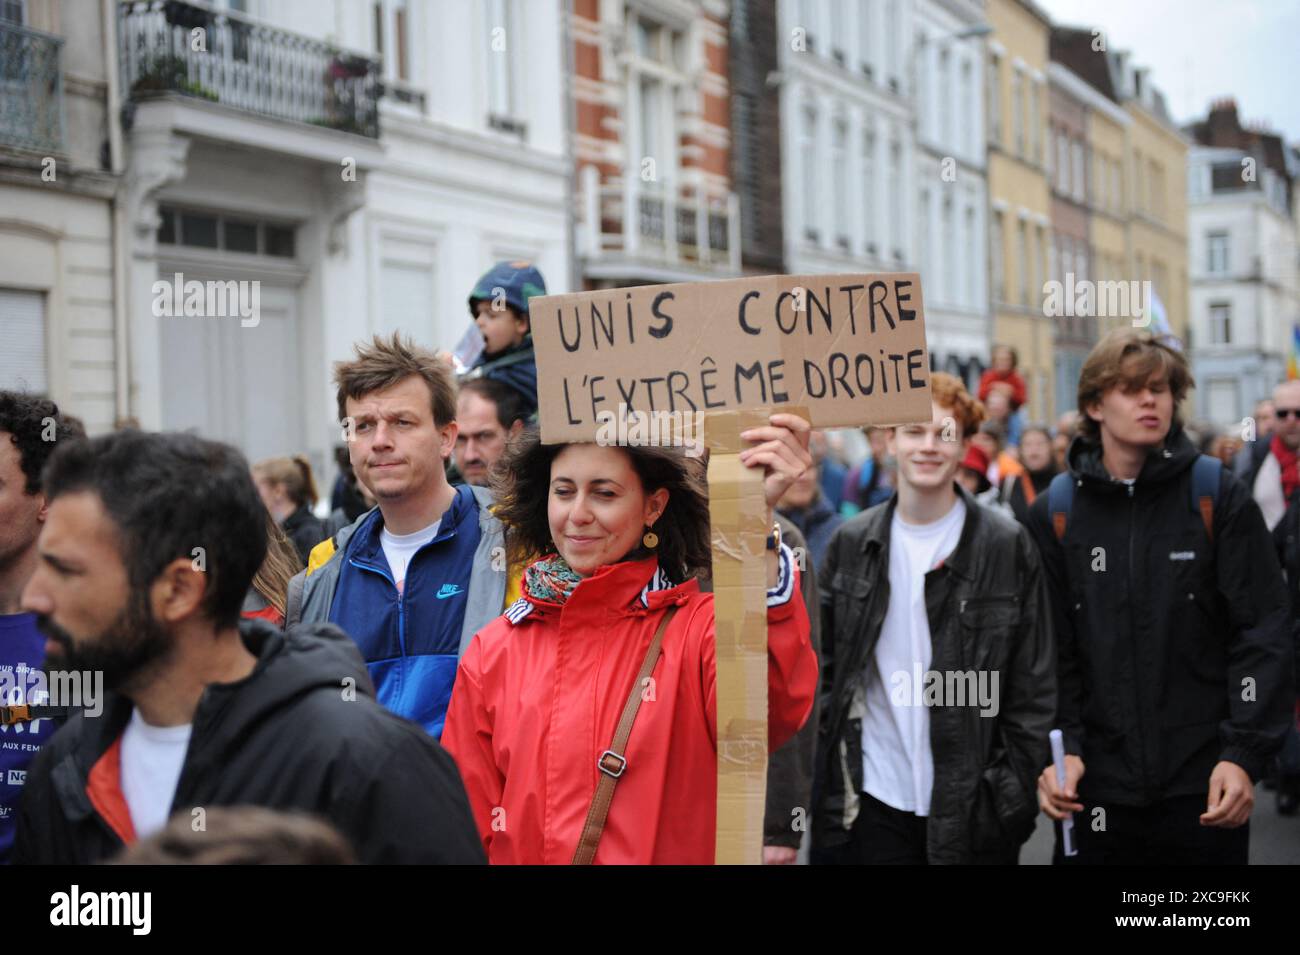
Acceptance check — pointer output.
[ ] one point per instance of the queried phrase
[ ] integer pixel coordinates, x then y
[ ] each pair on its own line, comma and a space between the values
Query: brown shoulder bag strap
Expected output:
612, 763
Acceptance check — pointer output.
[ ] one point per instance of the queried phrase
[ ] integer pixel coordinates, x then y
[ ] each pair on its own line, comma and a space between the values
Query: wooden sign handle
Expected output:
738, 526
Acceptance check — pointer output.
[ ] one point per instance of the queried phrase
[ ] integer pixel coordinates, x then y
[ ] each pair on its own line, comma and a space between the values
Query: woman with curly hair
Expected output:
623, 534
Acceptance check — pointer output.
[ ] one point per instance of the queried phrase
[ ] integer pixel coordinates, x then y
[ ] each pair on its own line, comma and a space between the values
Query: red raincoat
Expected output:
535, 703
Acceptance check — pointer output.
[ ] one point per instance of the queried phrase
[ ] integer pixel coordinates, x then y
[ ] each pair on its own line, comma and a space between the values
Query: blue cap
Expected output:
518, 281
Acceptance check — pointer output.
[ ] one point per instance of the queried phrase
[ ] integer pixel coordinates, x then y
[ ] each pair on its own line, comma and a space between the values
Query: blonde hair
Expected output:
293, 474
281, 563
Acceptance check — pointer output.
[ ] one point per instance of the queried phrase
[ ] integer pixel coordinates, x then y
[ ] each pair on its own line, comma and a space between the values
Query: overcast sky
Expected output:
1200, 50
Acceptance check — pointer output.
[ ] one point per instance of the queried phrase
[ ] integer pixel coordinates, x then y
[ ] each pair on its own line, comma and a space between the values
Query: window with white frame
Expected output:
994, 96
951, 283
896, 197
944, 96
655, 76
997, 253
1022, 260
923, 241
1216, 245
1035, 124
924, 115
393, 38
1221, 399
23, 359
971, 256
1040, 261
1100, 181
1139, 186
1077, 170
1220, 323
838, 15
869, 189
867, 40
891, 42
504, 48
808, 160
840, 181
1062, 162
1017, 111
803, 20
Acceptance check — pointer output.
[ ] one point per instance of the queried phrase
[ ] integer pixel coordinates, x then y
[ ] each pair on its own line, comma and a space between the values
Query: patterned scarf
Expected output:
550, 579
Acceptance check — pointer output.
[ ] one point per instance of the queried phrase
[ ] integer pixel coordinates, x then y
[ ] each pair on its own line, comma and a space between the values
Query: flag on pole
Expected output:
1160, 321
1293, 360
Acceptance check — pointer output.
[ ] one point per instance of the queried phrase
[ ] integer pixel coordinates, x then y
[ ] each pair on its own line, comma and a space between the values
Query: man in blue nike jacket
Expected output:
412, 580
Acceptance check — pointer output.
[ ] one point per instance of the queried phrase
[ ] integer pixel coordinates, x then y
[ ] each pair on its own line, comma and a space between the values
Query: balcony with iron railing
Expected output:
169, 47
31, 90
658, 224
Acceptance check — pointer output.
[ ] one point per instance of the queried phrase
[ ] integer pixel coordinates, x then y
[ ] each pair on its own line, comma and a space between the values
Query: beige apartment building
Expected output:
1019, 199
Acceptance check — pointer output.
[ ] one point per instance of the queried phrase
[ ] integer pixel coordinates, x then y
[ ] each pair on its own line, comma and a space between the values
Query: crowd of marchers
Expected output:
485, 648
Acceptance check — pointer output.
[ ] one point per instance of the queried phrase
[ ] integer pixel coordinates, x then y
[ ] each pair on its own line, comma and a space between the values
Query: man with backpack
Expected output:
1175, 671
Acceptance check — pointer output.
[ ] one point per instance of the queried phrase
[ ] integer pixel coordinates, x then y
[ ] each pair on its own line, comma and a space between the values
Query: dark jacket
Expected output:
790, 768
817, 523
301, 732
1013, 491
987, 609
305, 529
1286, 538
516, 367
1174, 651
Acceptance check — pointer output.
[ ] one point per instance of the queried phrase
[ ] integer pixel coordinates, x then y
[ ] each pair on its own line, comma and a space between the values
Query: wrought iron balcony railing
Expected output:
170, 46
31, 89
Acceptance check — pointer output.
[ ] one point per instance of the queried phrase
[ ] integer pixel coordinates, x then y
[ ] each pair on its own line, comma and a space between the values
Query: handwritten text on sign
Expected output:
850, 348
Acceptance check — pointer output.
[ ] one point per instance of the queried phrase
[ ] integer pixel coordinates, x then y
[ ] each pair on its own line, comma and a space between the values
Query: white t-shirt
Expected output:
400, 548
152, 757
897, 766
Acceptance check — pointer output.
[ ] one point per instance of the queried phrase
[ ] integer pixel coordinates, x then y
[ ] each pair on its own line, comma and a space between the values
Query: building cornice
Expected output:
1069, 81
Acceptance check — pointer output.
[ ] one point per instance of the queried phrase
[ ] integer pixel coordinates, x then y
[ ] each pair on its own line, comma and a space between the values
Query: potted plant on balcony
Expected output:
346, 66
166, 72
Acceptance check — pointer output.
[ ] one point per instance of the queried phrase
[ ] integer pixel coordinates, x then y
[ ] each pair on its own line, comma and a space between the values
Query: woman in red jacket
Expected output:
540, 690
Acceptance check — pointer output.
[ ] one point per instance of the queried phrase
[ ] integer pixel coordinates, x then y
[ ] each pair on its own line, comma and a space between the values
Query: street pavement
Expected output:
1274, 839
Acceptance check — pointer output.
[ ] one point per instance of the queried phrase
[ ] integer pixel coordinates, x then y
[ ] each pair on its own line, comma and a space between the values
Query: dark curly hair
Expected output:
521, 482
36, 428
169, 494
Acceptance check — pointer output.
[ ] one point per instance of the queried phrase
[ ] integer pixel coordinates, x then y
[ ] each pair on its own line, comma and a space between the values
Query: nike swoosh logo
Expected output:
449, 590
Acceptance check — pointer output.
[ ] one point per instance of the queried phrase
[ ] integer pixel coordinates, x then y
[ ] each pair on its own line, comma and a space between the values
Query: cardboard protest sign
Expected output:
849, 348
839, 350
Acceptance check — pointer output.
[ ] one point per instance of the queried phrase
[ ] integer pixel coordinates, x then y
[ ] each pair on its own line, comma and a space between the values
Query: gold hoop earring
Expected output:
650, 540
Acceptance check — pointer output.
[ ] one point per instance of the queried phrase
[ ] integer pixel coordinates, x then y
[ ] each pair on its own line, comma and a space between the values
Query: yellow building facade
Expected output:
1112, 255
1157, 170
1019, 199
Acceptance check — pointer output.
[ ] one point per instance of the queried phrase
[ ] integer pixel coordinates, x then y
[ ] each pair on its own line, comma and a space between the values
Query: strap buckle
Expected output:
11, 715
610, 754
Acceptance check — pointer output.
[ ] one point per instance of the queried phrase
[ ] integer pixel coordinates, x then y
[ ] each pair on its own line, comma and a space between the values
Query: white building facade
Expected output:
883, 164
951, 183
59, 173
1245, 298
359, 164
